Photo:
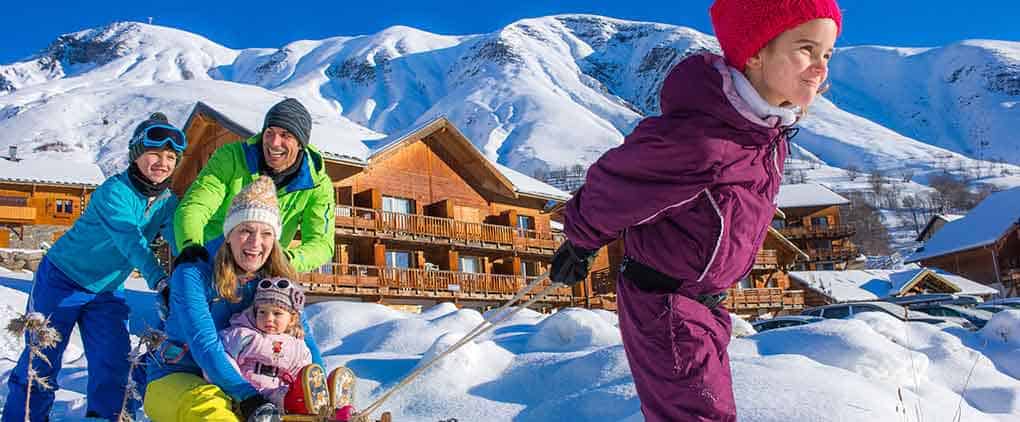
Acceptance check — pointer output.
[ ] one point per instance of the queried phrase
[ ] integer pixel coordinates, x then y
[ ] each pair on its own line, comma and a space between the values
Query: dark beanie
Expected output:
136, 150
291, 115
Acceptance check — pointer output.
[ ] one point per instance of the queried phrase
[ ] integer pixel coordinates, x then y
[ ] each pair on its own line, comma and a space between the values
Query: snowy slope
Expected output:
571, 365
962, 97
550, 91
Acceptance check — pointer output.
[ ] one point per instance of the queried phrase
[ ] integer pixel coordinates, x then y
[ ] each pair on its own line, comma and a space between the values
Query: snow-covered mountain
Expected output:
538, 93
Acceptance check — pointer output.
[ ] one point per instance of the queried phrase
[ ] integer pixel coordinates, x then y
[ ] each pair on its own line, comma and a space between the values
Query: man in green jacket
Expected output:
304, 190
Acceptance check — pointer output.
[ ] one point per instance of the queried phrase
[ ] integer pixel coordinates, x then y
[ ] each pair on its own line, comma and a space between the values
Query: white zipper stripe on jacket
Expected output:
718, 241
705, 191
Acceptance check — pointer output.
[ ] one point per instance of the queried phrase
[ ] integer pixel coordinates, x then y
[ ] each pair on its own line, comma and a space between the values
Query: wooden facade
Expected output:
820, 232
425, 219
28, 203
996, 264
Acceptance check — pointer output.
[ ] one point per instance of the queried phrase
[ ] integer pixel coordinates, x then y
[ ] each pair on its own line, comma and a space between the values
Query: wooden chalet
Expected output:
813, 222
935, 223
42, 193
421, 218
983, 246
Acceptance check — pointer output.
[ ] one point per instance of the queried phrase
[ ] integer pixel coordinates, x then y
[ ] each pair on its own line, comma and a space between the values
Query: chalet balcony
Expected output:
819, 232
378, 223
833, 254
367, 280
770, 298
17, 214
767, 259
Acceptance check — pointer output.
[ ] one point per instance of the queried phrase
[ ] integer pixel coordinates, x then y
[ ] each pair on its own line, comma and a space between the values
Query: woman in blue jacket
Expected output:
190, 376
81, 278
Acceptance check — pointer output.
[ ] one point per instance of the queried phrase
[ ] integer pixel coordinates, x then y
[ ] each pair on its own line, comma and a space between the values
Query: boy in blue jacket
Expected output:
81, 278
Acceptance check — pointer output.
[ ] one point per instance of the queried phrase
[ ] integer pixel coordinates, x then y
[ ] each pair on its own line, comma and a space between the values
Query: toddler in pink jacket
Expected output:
266, 343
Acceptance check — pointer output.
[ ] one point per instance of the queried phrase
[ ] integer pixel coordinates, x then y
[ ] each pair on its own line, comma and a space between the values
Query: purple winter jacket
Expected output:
693, 189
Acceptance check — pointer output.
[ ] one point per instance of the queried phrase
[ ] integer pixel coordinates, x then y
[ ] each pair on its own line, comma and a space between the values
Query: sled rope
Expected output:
497, 317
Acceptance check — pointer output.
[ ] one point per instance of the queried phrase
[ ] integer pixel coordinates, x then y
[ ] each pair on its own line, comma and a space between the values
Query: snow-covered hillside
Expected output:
542, 92
571, 365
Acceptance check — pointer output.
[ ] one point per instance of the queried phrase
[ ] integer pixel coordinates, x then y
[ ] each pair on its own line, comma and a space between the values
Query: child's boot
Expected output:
341, 387
308, 394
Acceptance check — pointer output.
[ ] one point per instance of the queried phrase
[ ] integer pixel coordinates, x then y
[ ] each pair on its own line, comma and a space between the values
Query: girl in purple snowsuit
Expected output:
692, 192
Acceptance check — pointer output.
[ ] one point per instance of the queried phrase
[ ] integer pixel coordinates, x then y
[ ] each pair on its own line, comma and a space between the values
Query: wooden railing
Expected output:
810, 232
764, 298
14, 214
766, 258
357, 218
421, 281
833, 254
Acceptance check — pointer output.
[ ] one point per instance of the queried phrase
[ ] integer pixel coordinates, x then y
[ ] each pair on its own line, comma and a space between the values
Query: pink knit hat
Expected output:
744, 27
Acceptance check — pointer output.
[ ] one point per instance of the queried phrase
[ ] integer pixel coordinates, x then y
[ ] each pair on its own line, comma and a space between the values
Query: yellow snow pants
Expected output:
183, 397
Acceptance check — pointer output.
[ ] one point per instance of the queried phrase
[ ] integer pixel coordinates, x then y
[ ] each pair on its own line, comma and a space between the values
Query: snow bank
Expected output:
1003, 328
740, 327
334, 323
414, 335
851, 345
573, 329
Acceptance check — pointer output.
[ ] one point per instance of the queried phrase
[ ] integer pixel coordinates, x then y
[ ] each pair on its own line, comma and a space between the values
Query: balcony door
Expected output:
398, 259
397, 212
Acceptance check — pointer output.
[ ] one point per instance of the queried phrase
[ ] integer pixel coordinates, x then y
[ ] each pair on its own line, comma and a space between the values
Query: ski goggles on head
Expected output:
279, 283
159, 136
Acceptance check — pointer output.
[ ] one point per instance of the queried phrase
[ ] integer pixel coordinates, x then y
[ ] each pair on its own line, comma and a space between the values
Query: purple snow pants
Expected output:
676, 348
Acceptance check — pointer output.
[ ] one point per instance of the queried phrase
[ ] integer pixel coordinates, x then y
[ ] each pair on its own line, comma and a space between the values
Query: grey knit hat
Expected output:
280, 291
290, 114
136, 149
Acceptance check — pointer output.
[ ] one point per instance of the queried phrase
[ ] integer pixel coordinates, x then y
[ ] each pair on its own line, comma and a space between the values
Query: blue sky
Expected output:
31, 25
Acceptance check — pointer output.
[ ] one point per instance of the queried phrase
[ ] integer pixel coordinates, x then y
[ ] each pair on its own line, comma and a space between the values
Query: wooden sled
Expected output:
385, 417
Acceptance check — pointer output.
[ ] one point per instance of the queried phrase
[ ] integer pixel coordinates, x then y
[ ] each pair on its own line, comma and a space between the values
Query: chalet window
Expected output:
745, 283
828, 266
401, 205
64, 206
470, 264
525, 223
822, 244
13, 201
398, 259
820, 221
778, 224
529, 269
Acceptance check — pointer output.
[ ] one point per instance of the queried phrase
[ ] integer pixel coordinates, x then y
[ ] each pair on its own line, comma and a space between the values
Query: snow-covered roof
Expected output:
531, 186
41, 169
808, 195
335, 138
854, 285
983, 225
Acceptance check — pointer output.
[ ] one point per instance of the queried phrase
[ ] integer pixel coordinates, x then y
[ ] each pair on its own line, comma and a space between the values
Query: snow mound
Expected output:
439, 310
852, 345
740, 327
333, 322
1003, 328
573, 329
413, 336
609, 316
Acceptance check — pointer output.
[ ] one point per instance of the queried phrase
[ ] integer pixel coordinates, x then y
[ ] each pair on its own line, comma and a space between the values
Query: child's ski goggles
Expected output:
280, 283
158, 136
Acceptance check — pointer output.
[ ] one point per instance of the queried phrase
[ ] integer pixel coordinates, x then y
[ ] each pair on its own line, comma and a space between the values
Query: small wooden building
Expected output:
44, 194
422, 217
983, 246
935, 224
813, 222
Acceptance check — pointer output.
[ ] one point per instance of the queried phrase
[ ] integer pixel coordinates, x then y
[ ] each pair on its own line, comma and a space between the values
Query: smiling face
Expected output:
791, 69
272, 319
280, 148
250, 244
157, 165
